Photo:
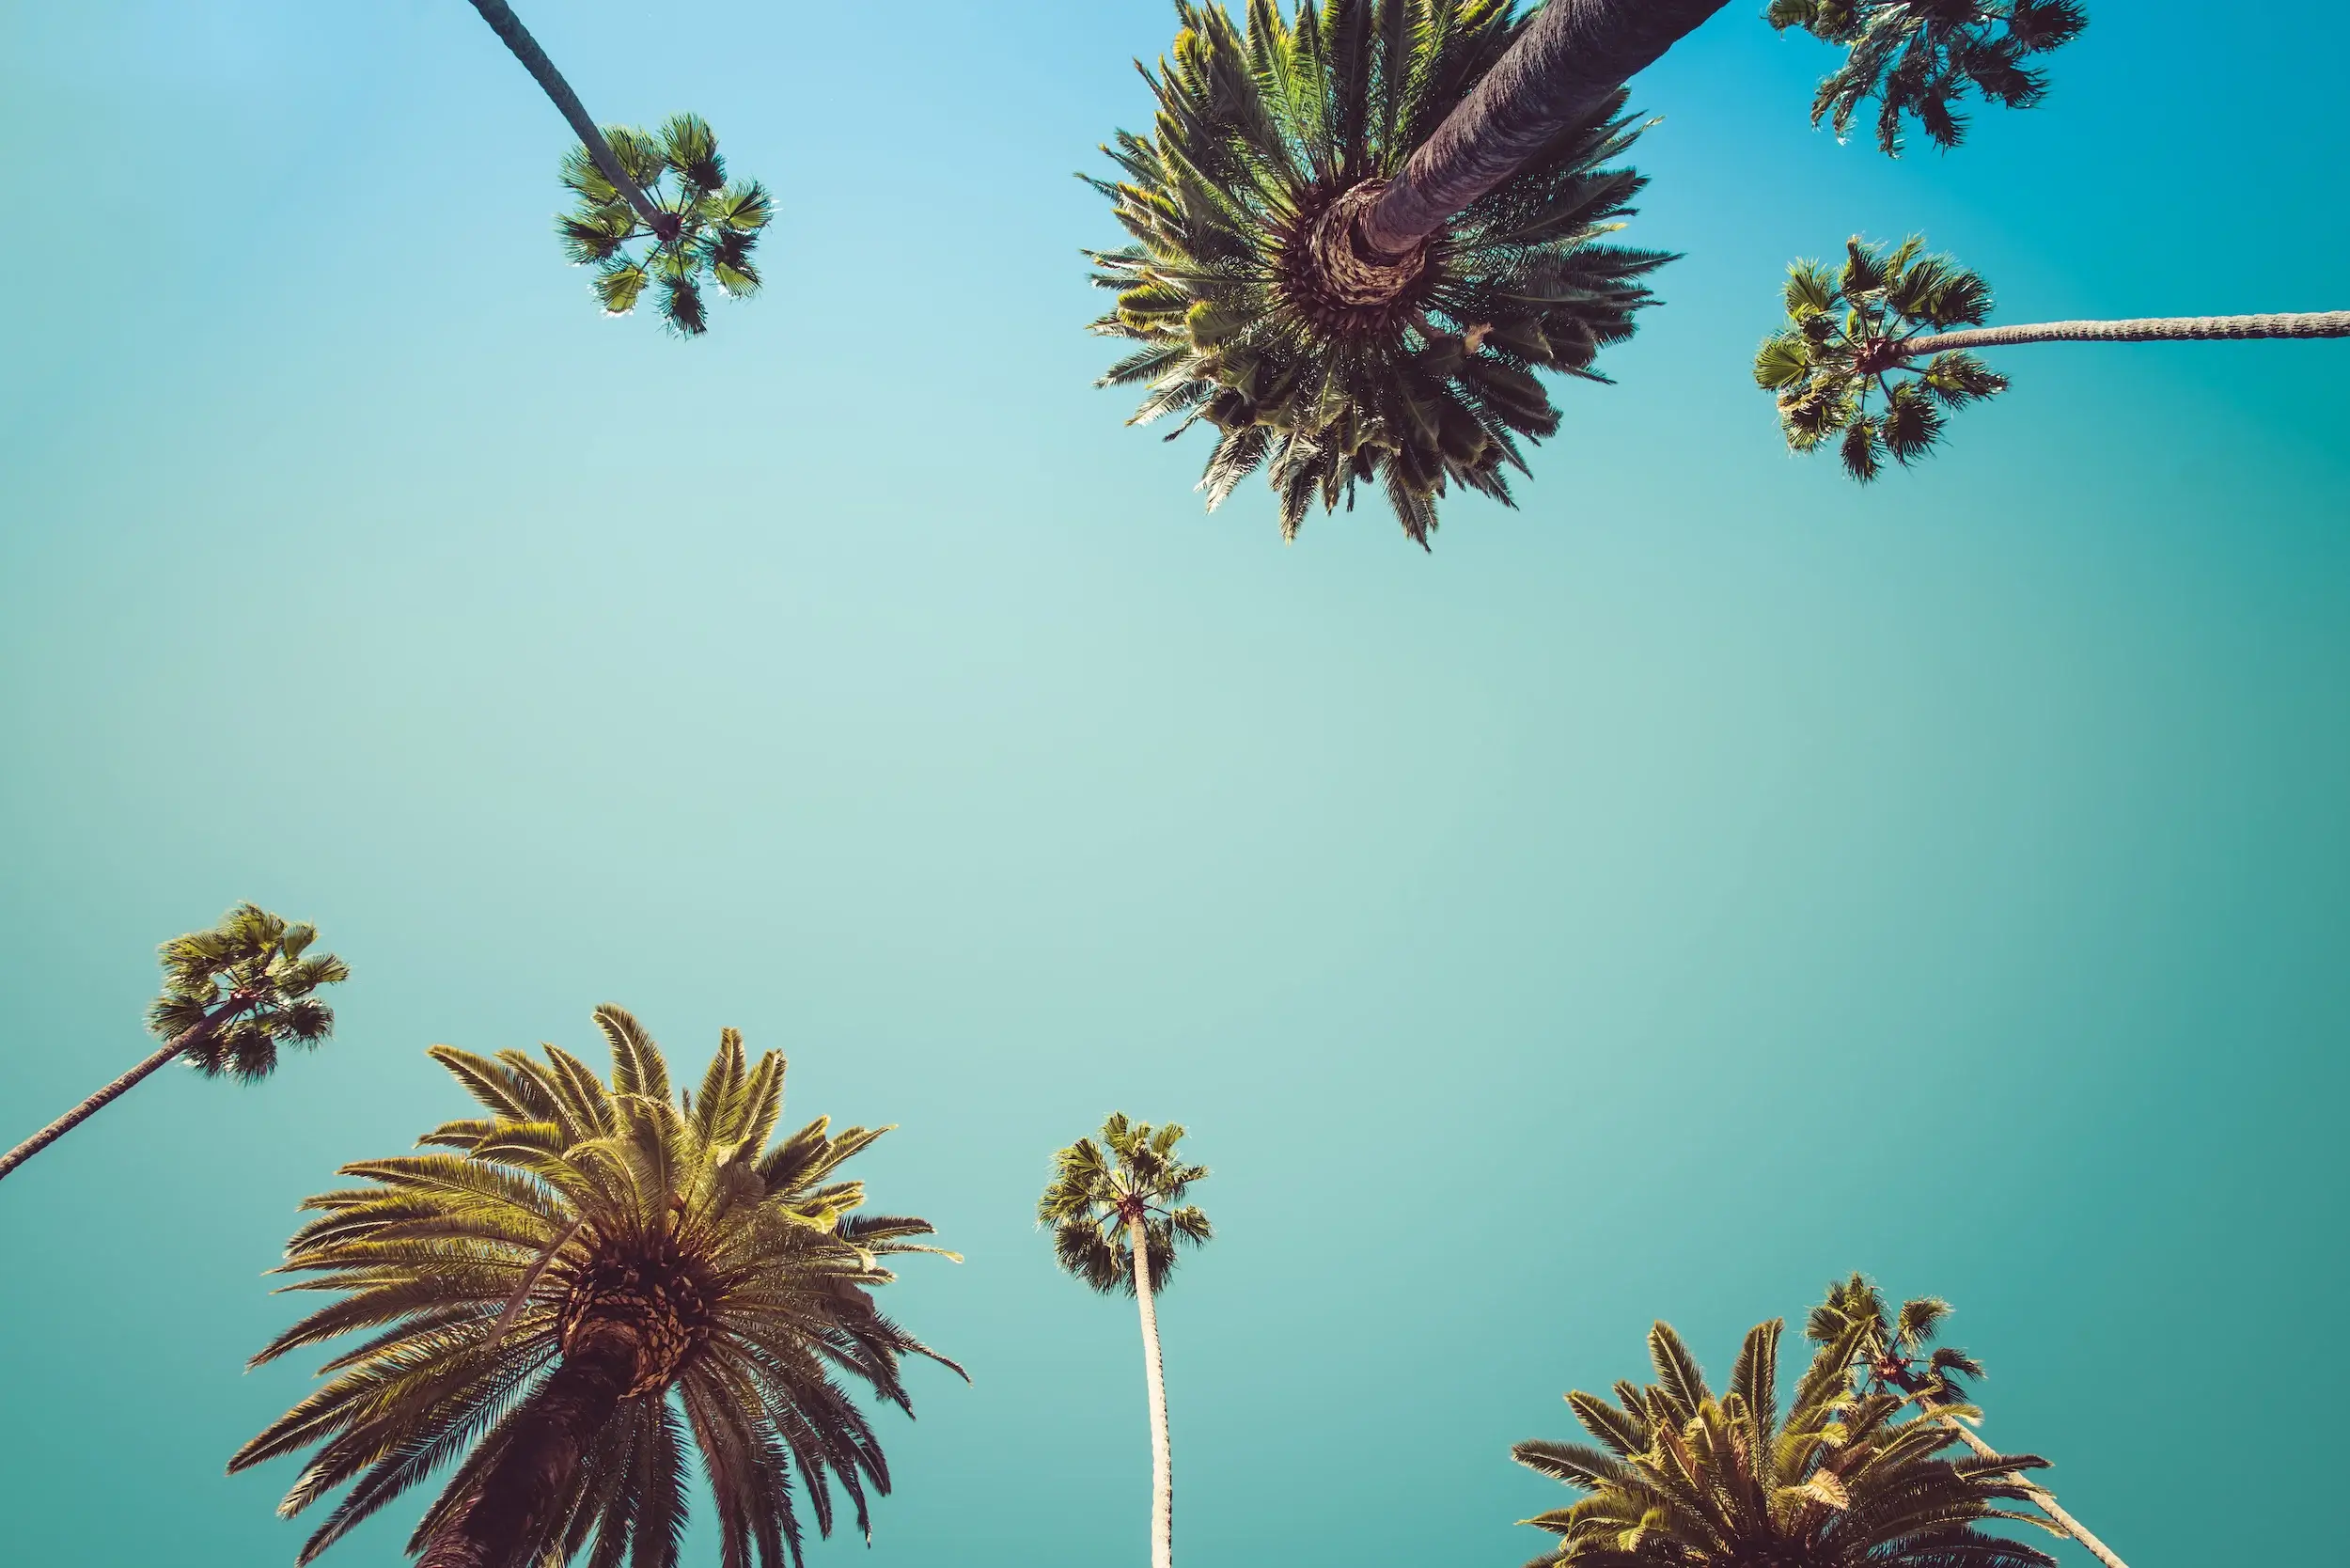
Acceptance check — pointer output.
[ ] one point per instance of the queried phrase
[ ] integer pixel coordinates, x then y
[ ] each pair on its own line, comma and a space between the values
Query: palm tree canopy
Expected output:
1842, 367
1100, 1188
703, 230
735, 1267
1255, 312
1918, 59
1892, 1348
1679, 1477
253, 980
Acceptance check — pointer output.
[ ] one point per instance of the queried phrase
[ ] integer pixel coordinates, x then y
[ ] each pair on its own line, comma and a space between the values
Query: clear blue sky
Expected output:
1705, 879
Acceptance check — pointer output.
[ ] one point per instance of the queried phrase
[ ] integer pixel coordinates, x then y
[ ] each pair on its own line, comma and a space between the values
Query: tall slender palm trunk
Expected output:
1562, 68
515, 1504
1162, 1464
517, 37
100, 1099
2146, 329
2041, 1497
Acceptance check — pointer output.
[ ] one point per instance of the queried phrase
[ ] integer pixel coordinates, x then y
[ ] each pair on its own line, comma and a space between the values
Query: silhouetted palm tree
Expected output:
1847, 362
1680, 1478
1895, 1351
600, 1274
1919, 58
1117, 1210
666, 191
233, 995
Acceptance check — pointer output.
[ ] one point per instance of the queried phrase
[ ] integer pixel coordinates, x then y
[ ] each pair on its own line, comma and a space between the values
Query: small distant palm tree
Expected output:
1919, 58
1117, 1210
1890, 1351
1257, 314
598, 1276
233, 995
1874, 354
1680, 1478
654, 208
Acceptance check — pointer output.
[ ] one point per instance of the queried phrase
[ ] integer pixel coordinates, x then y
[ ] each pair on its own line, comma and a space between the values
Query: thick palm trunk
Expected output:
98, 1100
1162, 1464
2041, 1497
519, 1499
2149, 329
517, 37
1571, 57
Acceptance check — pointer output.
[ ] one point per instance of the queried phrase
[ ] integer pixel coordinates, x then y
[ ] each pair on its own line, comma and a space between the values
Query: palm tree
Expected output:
1257, 314
1116, 1210
1889, 1352
1848, 362
667, 189
1918, 58
231, 996
1680, 1478
599, 1274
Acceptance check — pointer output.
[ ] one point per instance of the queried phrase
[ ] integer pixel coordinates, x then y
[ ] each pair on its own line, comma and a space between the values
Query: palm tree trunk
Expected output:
100, 1099
1571, 57
2147, 329
521, 1496
2041, 1497
1162, 1464
507, 26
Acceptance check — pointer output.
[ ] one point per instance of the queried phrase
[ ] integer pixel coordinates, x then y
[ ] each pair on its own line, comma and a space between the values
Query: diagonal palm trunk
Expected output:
2149, 329
2041, 1496
1162, 1464
508, 27
1571, 57
519, 1498
106, 1096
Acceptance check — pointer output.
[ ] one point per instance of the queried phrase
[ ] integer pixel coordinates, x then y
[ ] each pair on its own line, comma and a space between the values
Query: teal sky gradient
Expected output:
1702, 880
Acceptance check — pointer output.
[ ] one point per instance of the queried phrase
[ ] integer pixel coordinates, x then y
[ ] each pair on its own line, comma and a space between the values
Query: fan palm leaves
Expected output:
1892, 1351
701, 234
233, 998
1257, 313
570, 1291
1679, 1477
1918, 59
1875, 354
653, 209
1117, 1213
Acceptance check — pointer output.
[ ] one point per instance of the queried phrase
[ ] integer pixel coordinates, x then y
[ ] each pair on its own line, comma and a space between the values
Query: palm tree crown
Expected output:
1682, 1477
701, 230
234, 994
1892, 1350
1918, 58
570, 1290
1100, 1189
1842, 366
1257, 314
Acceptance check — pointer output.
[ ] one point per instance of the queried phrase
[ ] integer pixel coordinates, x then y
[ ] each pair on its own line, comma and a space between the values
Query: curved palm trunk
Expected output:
2041, 1497
2148, 329
508, 27
519, 1498
100, 1101
1571, 57
1162, 1464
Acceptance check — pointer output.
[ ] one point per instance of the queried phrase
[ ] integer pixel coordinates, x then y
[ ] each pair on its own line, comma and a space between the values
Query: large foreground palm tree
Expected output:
651, 208
591, 1278
1894, 1352
1679, 1477
232, 996
1117, 1210
1875, 353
